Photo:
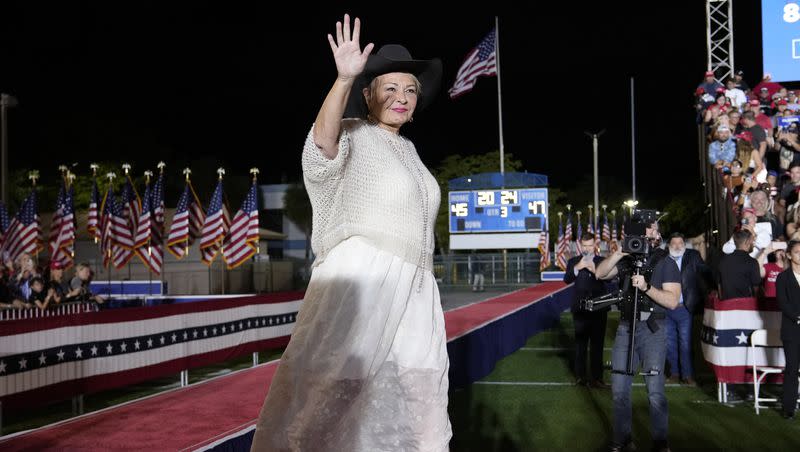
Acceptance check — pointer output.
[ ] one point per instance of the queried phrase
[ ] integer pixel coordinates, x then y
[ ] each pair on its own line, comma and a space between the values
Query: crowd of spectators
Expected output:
25, 285
753, 141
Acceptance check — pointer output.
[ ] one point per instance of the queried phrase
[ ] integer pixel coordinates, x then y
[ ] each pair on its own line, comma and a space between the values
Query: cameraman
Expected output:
664, 290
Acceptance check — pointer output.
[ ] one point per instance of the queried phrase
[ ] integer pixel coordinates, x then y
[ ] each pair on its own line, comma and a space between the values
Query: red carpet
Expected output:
200, 414
463, 320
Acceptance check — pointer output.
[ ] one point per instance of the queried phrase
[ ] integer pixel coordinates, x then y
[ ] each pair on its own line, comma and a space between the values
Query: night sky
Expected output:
197, 83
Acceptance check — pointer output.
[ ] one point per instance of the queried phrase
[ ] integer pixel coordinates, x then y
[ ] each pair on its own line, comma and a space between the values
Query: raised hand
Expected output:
350, 60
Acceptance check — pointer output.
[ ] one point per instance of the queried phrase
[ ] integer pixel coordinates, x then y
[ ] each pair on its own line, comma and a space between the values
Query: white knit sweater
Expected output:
377, 188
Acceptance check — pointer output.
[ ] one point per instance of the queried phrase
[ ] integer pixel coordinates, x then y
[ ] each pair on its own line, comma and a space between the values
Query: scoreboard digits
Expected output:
459, 209
508, 197
518, 210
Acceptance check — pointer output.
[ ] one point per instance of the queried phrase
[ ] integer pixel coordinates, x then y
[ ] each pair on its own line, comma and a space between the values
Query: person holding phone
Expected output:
590, 327
761, 231
776, 263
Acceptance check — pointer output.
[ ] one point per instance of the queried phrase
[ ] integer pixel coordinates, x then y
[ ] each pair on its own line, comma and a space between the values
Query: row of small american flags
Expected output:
607, 232
22, 233
135, 226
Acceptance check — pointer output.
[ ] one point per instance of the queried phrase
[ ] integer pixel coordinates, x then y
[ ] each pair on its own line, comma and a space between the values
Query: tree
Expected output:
686, 215
455, 166
297, 208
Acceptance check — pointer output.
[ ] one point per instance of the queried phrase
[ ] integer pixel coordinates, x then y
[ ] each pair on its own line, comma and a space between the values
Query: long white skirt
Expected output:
366, 367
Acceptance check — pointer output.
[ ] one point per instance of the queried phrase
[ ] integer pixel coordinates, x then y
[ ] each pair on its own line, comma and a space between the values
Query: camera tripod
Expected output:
631, 300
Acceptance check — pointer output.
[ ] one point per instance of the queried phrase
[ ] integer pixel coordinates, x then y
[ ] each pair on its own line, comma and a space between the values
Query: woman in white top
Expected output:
746, 152
366, 367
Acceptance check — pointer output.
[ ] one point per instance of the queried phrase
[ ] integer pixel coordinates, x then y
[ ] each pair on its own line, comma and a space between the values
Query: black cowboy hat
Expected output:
395, 58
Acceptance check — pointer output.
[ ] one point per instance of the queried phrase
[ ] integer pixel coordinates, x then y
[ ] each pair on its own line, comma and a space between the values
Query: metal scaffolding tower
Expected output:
719, 37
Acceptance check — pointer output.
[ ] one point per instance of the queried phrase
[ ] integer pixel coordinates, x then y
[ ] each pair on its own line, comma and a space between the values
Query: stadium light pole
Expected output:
595, 143
6, 101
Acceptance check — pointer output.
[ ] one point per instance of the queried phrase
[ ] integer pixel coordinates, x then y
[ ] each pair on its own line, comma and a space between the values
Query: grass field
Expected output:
530, 404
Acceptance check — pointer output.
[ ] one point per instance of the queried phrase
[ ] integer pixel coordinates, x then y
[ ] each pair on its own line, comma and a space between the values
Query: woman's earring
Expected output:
411, 120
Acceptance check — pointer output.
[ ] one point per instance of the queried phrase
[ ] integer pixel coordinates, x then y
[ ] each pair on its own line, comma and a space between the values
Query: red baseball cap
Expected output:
709, 73
56, 265
754, 102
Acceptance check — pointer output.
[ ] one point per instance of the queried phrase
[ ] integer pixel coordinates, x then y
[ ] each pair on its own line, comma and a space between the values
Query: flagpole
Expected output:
149, 264
569, 224
160, 167
107, 261
499, 95
221, 251
633, 146
126, 167
33, 176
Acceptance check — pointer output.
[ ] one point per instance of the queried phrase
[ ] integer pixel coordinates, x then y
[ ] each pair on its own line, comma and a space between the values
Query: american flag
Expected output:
242, 241
22, 234
131, 210
158, 203
216, 226
143, 232
606, 228
562, 248
480, 61
62, 229
593, 230
568, 236
613, 245
150, 233
114, 230
4, 221
92, 221
544, 249
157, 240
186, 223
55, 224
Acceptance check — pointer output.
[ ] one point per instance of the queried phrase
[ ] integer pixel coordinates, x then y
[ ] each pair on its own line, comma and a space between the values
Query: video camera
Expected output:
633, 305
635, 241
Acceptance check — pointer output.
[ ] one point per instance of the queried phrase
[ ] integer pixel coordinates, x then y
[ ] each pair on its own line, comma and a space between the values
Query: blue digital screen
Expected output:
781, 39
512, 210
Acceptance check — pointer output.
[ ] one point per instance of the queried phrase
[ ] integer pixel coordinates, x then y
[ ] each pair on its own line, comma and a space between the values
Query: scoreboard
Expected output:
512, 210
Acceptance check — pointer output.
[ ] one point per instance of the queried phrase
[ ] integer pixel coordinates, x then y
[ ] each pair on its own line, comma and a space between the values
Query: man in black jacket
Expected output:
679, 320
788, 294
589, 326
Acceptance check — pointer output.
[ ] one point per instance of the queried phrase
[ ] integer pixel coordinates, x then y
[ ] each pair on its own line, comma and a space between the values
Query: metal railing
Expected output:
53, 311
720, 214
499, 269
